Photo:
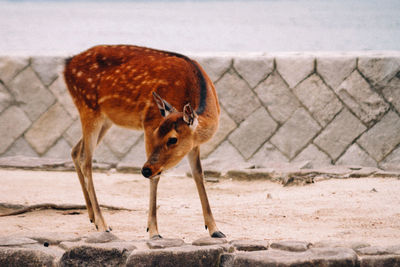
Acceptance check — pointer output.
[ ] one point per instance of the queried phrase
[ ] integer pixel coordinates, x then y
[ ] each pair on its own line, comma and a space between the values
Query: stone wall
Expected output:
320, 108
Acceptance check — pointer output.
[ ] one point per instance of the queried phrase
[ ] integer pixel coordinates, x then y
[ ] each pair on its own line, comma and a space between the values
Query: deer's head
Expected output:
171, 140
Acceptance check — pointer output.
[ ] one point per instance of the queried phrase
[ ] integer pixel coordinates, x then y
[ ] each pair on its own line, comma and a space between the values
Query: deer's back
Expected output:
118, 80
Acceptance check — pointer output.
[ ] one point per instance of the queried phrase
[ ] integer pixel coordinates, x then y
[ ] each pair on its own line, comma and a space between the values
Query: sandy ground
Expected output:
365, 209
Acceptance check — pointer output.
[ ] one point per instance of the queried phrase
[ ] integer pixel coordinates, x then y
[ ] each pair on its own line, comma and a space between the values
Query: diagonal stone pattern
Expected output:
331, 108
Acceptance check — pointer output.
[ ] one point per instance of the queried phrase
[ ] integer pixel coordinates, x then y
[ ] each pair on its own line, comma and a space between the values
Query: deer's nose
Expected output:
146, 172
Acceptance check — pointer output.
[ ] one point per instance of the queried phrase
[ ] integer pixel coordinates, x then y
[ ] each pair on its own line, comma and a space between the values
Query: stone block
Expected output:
253, 132
295, 133
249, 245
379, 70
11, 66
120, 140
384, 260
266, 155
357, 94
101, 237
253, 69
103, 154
392, 92
318, 98
164, 243
60, 150
20, 147
250, 174
109, 254
315, 156
29, 92
392, 161
48, 68
236, 96
341, 244
294, 68
311, 257
208, 241
58, 88
48, 128
226, 126
339, 134
334, 69
25, 257
383, 137
214, 66
74, 133
354, 155
176, 257
277, 97
136, 157
225, 157
55, 238
9, 241
13, 123
295, 246
5, 98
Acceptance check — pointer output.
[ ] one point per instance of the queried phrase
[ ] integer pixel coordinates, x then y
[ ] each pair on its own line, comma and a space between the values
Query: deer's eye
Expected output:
172, 141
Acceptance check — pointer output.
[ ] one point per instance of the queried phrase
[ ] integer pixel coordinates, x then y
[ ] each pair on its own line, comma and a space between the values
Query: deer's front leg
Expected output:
197, 172
152, 219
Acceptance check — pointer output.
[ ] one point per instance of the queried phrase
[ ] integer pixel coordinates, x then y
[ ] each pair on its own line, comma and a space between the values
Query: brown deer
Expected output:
167, 95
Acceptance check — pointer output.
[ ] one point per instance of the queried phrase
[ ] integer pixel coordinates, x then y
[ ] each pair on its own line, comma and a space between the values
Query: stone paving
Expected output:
106, 249
326, 108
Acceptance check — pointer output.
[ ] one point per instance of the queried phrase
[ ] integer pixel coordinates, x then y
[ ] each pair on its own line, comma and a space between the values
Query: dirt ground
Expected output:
364, 209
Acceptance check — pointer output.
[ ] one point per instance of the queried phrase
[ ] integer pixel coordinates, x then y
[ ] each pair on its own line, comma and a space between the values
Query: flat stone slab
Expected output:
249, 245
16, 241
383, 260
88, 255
312, 257
208, 241
379, 250
25, 257
102, 237
106, 249
164, 243
54, 238
177, 256
295, 246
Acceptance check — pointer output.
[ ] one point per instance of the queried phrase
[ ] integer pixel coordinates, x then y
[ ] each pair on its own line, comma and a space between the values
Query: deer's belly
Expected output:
126, 115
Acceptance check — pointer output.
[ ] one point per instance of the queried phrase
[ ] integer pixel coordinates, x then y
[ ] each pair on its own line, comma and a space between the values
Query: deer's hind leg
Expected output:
94, 127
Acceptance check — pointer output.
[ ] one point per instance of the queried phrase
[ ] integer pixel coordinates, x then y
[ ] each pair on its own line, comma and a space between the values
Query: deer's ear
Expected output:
190, 116
164, 107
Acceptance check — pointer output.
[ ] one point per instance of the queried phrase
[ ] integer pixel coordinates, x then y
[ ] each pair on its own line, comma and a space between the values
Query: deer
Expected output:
165, 94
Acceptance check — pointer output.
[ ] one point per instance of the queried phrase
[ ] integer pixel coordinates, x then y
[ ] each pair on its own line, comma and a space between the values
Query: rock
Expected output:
250, 245
164, 243
25, 257
207, 241
103, 254
295, 246
54, 238
102, 237
383, 260
250, 174
379, 250
343, 244
311, 257
178, 256
16, 241
252, 133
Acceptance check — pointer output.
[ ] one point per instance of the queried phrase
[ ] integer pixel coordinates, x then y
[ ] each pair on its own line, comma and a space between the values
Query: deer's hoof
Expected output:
109, 229
218, 234
156, 237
